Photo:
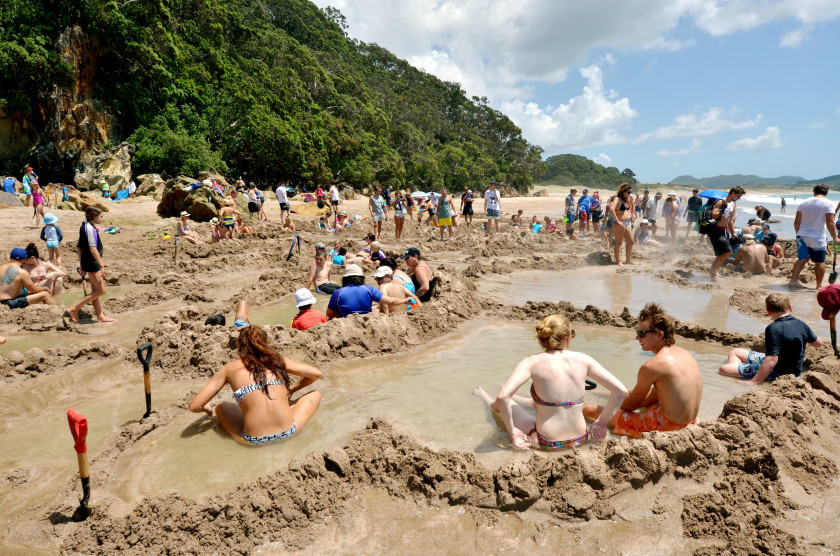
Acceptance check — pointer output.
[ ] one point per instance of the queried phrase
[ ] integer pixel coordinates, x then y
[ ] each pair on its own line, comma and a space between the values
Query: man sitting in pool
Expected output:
784, 346
668, 387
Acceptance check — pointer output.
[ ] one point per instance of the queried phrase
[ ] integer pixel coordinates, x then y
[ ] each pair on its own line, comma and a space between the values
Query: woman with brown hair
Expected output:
621, 212
89, 249
263, 412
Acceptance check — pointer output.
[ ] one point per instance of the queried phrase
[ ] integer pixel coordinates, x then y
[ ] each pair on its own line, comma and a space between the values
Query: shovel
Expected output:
79, 429
83, 274
590, 385
145, 359
833, 276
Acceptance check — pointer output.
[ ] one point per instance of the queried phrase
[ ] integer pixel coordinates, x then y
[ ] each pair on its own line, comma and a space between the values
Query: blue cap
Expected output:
18, 254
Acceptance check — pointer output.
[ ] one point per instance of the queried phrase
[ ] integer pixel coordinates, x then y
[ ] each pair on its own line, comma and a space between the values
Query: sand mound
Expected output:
36, 362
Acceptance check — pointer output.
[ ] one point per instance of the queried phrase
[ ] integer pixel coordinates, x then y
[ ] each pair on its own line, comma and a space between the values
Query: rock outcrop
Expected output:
202, 203
113, 166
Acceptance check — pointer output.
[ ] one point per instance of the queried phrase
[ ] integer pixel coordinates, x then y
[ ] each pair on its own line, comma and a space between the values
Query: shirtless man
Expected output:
668, 387
384, 276
724, 213
13, 280
319, 274
753, 257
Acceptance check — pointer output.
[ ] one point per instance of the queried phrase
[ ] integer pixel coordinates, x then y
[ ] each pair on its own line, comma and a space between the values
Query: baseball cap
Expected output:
382, 272
304, 297
658, 194
494, 182
645, 221
18, 254
410, 252
585, 190
829, 300
353, 270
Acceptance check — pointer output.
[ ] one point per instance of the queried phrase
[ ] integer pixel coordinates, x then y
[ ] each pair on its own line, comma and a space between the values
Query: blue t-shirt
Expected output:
9, 185
339, 260
786, 338
354, 299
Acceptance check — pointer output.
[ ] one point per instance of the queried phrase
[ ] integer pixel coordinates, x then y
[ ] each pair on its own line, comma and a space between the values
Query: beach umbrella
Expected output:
714, 194
417, 194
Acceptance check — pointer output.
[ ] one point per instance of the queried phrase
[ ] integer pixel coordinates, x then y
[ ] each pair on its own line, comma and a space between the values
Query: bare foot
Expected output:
74, 315
797, 285
630, 262
2, 339
619, 263
103, 318
480, 393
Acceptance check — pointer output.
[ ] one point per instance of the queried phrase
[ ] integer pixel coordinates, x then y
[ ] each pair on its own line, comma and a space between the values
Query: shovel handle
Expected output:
145, 358
590, 384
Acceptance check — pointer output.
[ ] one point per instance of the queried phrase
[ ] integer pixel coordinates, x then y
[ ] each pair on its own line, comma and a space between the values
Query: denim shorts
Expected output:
811, 248
492, 214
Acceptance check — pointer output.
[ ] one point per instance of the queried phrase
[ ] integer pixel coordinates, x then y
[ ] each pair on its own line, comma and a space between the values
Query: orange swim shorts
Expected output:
632, 423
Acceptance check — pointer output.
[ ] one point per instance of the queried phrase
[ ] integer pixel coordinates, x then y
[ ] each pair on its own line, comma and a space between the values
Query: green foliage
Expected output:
174, 143
572, 169
275, 88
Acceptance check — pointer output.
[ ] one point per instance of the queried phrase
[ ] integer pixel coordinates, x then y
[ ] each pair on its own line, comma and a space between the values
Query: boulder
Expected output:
9, 200
149, 184
310, 209
181, 180
202, 203
540, 193
347, 193
113, 166
212, 173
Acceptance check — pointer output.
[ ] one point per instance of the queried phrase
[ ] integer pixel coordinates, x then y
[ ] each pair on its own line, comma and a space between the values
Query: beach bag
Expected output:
705, 222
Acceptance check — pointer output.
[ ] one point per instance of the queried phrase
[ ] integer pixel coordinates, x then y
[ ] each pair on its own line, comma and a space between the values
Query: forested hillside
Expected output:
273, 89
573, 169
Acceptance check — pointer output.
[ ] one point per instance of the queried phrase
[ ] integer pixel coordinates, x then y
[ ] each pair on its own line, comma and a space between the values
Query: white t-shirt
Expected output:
812, 223
132, 187
492, 198
334, 194
280, 192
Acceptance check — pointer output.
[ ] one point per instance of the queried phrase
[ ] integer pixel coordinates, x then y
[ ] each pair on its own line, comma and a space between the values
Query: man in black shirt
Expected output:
692, 212
784, 341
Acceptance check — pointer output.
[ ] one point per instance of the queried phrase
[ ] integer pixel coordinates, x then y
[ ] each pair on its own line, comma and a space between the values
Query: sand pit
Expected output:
744, 482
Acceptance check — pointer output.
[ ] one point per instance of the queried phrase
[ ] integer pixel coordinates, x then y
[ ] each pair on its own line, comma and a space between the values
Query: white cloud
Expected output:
715, 120
696, 147
603, 159
769, 140
592, 118
816, 125
794, 38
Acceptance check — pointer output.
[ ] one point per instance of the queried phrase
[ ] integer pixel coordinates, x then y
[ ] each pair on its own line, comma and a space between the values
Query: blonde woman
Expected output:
558, 378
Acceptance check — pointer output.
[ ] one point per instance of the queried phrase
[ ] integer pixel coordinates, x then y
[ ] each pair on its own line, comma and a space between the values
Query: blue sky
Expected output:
665, 87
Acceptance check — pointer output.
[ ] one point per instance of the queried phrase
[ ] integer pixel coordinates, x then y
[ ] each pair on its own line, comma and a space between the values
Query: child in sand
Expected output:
264, 411
319, 274
288, 226
53, 236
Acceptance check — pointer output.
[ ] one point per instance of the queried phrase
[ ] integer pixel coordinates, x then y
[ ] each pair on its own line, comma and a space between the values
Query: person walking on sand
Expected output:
51, 233
90, 249
29, 177
812, 218
621, 212
558, 378
282, 199
493, 205
399, 213
445, 212
570, 210
228, 215
17, 290
467, 206
784, 346
264, 411
692, 213
377, 212
723, 212
668, 387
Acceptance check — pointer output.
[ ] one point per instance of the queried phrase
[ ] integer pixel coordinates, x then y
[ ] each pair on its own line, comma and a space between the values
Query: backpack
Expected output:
705, 222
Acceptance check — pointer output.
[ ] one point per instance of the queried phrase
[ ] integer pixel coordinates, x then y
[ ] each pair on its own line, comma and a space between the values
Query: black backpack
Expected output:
705, 222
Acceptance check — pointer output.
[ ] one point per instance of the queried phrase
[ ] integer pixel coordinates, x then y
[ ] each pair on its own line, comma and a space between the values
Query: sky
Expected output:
666, 88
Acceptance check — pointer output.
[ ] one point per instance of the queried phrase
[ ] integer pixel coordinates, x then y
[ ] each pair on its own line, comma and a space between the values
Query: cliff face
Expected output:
74, 125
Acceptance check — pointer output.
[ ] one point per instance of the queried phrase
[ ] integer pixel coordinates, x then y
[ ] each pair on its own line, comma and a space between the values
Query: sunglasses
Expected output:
643, 333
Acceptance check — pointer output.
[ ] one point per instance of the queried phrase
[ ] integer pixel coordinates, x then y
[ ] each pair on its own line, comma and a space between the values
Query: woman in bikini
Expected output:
621, 211
558, 378
264, 411
43, 273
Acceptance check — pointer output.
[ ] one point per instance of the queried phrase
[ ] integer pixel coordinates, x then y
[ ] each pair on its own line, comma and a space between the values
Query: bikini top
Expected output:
240, 394
539, 401
623, 206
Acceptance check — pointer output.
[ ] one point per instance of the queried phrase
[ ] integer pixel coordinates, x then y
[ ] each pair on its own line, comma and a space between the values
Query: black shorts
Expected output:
720, 240
16, 302
254, 207
283, 206
334, 202
468, 211
327, 288
596, 217
431, 212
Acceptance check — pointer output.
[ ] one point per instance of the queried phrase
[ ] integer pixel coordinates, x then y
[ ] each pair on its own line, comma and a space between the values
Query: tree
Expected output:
629, 174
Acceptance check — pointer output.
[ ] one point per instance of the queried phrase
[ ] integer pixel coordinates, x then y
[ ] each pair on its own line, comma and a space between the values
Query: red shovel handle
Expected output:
78, 428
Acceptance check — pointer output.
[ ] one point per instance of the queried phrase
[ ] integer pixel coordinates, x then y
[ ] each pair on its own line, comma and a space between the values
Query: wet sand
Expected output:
401, 456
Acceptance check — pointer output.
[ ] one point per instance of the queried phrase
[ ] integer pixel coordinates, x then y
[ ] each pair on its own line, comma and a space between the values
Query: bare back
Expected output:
397, 290
755, 258
677, 382
262, 415
560, 377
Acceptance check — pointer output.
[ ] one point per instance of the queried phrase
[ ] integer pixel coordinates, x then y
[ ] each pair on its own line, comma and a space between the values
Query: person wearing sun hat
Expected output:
17, 290
53, 236
829, 299
355, 296
307, 317
182, 230
384, 276
784, 340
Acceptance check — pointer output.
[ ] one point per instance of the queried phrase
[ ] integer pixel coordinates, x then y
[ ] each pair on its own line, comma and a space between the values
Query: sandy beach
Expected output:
401, 457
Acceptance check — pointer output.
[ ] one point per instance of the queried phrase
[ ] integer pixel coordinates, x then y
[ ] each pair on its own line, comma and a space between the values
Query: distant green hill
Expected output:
831, 181
573, 169
731, 180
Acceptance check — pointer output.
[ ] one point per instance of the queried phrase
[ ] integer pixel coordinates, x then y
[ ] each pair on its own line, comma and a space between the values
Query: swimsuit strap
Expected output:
539, 401
239, 394
551, 445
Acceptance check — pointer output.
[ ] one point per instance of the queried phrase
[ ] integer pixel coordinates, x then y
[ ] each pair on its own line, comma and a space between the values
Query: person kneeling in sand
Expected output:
668, 387
263, 412
784, 346
16, 287
384, 276
753, 257
559, 375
